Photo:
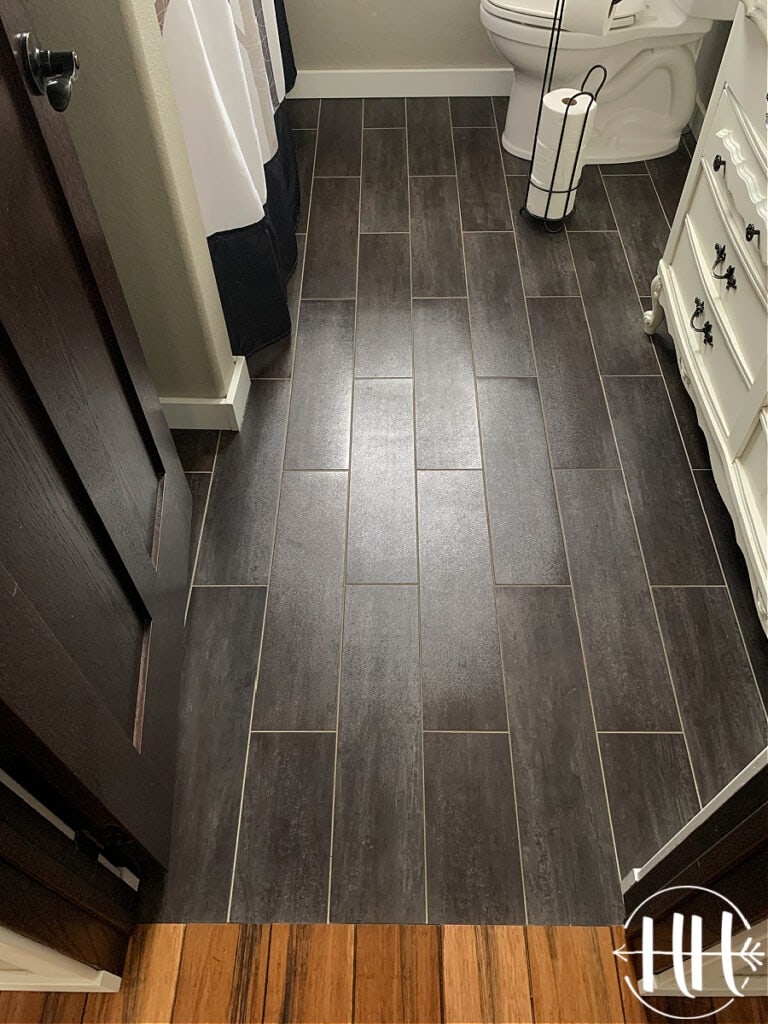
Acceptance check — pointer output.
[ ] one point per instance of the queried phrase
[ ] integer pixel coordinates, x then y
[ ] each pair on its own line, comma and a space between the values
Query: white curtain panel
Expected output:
226, 69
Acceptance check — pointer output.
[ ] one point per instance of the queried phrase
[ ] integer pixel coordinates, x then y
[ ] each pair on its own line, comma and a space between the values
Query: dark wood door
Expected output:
94, 507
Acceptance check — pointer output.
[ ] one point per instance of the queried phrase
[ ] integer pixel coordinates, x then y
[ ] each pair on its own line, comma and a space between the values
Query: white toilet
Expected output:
649, 52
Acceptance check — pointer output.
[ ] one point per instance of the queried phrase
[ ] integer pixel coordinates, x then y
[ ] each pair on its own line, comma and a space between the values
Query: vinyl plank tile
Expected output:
642, 224
281, 873
545, 258
196, 449
501, 340
298, 678
339, 138
222, 638
737, 578
630, 685
397, 975
430, 147
244, 490
685, 411
383, 345
321, 400
330, 264
573, 976
485, 974
378, 837
381, 545
668, 174
513, 165
303, 113
578, 425
279, 361
482, 193
461, 669
311, 974
384, 202
645, 809
613, 311
472, 112
438, 263
592, 211
619, 170
305, 142
526, 538
447, 436
569, 865
473, 860
670, 522
199, 483
720, 705
384, 112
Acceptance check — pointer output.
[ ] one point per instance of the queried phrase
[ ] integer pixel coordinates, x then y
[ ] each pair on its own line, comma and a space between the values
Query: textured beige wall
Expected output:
126, 129
345, 34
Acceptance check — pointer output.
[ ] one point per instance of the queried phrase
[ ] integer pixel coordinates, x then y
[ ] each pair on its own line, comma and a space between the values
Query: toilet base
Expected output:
643, 108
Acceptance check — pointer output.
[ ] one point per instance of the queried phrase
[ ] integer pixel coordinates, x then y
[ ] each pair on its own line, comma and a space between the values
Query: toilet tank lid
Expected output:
542, 11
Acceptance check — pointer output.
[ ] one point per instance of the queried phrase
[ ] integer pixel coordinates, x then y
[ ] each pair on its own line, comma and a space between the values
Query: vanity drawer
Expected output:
724, 383
743, 308
734, 154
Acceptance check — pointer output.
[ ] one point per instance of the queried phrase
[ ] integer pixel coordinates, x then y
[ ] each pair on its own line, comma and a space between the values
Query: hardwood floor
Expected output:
333, 974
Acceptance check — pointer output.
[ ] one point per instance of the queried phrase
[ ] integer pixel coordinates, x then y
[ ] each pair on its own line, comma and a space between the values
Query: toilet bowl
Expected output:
648, 53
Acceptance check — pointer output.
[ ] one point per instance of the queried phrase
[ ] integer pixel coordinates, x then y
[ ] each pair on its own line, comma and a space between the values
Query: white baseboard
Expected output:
211, 413
403, 82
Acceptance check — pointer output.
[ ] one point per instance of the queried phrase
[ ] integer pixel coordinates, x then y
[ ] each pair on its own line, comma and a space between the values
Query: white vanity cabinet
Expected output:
712, 287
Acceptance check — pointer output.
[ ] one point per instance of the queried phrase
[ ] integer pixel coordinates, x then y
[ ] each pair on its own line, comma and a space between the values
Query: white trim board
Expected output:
212, 413
335, 84
29, 966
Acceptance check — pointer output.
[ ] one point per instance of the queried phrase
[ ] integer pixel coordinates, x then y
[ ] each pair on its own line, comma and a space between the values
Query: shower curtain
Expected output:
230, 63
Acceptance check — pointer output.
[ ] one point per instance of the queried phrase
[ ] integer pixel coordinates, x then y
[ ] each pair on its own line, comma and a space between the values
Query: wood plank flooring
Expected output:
371, 974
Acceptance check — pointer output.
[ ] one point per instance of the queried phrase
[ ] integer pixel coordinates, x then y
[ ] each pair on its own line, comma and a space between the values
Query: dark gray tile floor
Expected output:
465, 596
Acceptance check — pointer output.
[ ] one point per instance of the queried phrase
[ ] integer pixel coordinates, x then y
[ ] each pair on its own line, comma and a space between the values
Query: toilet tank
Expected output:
717, 10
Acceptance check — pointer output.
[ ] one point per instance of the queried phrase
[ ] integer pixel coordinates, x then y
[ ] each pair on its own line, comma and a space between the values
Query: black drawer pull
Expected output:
706, 330
730, 274
752, 232
718, 162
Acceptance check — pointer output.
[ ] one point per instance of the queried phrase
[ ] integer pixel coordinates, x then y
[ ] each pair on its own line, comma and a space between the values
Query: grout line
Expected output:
274, 542
346, 521
637, 532
292, 732
639, 732
465, 732
487, 506
587, 682
418, 539
197, 472
199, 545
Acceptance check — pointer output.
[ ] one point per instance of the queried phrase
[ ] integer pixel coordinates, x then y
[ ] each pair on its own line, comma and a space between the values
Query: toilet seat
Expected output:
539, 13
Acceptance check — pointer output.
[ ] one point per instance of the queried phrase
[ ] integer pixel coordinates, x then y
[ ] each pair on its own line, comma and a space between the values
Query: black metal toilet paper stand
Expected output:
546, 86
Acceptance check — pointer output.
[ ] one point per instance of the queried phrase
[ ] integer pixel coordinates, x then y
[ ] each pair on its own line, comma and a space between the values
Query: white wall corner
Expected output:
335, 84
212, 413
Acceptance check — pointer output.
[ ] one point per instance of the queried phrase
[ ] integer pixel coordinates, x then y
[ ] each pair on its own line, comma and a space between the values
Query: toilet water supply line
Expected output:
546, 86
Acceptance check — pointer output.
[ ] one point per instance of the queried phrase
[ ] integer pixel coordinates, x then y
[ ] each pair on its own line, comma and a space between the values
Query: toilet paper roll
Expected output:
559, 205
556, 105
593, 17
544, 165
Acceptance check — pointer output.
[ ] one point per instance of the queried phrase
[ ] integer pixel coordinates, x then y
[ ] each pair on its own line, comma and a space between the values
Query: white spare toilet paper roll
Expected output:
556, 105
559, 205
593, 17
